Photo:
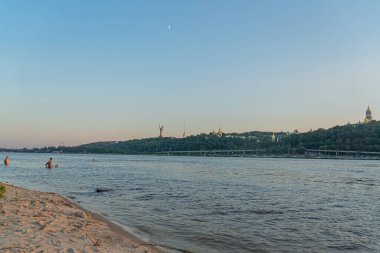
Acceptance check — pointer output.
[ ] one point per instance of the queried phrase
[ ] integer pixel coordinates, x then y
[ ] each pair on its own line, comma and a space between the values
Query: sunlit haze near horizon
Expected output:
81, 71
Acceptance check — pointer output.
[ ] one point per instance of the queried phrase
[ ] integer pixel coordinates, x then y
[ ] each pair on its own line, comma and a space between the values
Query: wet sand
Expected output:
33, 221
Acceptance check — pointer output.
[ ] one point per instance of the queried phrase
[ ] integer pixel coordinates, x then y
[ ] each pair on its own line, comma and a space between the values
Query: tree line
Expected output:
350, 137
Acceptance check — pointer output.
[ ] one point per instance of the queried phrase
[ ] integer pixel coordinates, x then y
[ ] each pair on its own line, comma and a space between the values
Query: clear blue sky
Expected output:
82, 71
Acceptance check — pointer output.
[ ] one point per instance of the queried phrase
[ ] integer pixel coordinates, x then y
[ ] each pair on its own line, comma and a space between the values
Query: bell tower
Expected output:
368, 116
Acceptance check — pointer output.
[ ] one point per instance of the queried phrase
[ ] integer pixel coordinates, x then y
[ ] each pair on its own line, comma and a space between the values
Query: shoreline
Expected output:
46, 221
280, 156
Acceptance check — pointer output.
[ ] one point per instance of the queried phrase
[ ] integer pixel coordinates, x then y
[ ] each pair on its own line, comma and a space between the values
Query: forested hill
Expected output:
355, 137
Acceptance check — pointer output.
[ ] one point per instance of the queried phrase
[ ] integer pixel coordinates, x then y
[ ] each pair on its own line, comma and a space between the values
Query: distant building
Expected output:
368, 116
273, 137
220, 133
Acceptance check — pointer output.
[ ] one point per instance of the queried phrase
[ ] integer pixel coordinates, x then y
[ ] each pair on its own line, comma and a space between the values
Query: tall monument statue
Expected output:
161, 130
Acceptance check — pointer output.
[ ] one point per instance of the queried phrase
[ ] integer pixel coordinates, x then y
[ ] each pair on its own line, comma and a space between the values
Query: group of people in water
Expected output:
48, 165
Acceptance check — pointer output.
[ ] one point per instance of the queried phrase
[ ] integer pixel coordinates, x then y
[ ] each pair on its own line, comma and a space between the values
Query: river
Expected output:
220, 205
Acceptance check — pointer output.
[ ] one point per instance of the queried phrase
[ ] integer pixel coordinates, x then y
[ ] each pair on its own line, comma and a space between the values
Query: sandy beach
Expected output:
32, 221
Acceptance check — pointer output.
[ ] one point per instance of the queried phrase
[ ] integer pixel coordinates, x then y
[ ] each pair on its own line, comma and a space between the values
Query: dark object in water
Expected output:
100, 189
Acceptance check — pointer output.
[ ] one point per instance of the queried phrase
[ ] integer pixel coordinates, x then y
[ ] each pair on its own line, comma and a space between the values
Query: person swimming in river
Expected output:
7, 161
49, 164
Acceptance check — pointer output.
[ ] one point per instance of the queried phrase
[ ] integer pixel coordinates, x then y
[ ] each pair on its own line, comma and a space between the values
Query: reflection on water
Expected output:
221, 204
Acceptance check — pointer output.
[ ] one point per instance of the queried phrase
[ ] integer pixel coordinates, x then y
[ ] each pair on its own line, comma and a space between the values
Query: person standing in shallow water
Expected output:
49, 164
7, 161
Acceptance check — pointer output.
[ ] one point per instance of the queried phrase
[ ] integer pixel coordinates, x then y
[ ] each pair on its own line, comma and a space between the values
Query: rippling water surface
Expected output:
221, 204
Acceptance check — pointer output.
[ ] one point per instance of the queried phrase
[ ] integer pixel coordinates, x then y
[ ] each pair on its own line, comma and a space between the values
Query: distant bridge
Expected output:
337, 153
309, 153
229, 152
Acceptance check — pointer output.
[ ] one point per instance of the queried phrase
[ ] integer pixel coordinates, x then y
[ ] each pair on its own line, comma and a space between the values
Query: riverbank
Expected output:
211, 153
33, 221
